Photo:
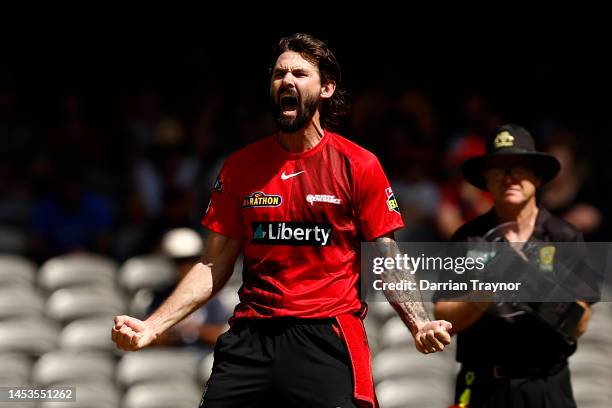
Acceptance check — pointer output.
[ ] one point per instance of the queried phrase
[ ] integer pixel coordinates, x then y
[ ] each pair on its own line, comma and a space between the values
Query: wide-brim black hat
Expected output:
510, 144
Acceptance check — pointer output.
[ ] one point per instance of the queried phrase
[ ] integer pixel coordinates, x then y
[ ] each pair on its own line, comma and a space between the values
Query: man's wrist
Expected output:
155, 327
417, 326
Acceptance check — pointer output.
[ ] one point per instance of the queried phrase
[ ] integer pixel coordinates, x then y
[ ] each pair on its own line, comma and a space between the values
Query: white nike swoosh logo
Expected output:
288, 176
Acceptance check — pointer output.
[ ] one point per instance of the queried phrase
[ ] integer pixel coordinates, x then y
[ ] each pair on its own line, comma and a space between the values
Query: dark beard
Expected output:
305, 112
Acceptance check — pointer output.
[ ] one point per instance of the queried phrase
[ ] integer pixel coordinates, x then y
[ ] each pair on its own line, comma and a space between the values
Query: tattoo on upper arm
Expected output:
407, 303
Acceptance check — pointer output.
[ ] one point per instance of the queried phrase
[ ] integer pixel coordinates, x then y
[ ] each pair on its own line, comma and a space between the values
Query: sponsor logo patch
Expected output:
261, 199
291, 233
547, 257
288, 176
391, 201
322, 198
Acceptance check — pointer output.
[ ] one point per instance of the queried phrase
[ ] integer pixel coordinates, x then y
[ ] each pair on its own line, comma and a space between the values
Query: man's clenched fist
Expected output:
131, 334
433, 336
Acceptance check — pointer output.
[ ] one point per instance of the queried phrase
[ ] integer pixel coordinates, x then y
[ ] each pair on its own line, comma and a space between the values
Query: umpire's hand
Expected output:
432, 336
130, 334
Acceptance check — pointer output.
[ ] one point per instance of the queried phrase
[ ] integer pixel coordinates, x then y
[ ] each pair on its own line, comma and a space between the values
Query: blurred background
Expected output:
108, 144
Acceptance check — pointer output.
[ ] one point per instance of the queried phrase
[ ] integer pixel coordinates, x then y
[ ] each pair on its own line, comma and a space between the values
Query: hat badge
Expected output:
503, 139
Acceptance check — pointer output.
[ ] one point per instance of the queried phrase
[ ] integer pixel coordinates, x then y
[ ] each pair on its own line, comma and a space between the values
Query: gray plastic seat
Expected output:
147, 272
163, 395
65, 367
139, 303
92, 334
592, 394
16, 271
19, 302
157, 365
404, 363
18, 404
99, 395
598, 331
587, 363
65, 305
15, 369
402, 393
77, 270
228, 297
205, 368
29, 336
394, 333
380, 311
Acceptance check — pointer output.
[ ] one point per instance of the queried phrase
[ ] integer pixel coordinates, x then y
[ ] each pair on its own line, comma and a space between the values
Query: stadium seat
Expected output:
15, 369
158, 364
16, 271
393, 363
592, 394
394, 333
605, 307
593, 402
98, 395
403, 393
598, 330
65, 305
606, 293
140, 302
235, 280
88, 335
587, 356
66, 367
228, 297
18, 405
20, 301
77, 270
163, 395
30, 336
147, 272
380, 311
205, 368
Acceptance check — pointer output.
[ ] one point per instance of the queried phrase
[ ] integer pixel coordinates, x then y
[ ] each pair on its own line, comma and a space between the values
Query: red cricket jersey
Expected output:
301, 217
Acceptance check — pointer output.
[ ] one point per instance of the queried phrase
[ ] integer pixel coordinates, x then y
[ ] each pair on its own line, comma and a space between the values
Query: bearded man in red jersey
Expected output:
298, 204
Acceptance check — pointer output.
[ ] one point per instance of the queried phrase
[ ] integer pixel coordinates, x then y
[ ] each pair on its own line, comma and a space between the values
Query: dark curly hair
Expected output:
317, 53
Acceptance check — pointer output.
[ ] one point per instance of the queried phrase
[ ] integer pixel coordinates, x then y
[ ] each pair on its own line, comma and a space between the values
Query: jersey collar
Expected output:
294, 156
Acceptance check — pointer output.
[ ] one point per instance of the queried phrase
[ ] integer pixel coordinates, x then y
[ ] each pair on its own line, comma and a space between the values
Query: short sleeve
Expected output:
224, 212
377, 208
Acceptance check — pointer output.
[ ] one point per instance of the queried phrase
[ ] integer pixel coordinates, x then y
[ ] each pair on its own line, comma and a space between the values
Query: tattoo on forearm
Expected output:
408, 304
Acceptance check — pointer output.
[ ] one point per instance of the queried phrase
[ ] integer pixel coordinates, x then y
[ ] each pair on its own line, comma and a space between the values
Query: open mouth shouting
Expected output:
289, 103
292, 110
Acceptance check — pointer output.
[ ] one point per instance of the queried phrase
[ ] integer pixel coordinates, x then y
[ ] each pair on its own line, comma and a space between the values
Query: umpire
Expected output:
518, 361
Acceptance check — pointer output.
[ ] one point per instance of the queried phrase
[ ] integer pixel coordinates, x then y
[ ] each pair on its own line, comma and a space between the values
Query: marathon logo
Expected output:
391, 201
291, 233
261, 199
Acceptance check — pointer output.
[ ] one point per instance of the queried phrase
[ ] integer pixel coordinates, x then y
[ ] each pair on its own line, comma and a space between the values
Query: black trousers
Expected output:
280, 363
480, 389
